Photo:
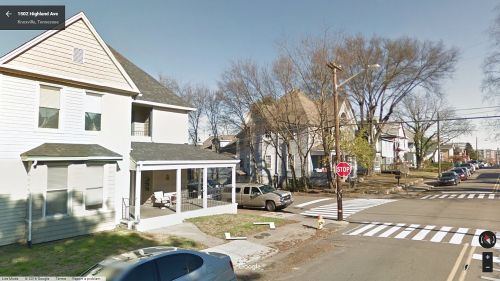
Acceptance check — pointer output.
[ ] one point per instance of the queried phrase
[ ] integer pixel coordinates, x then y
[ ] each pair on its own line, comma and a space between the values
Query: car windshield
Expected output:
266, 189
448, 175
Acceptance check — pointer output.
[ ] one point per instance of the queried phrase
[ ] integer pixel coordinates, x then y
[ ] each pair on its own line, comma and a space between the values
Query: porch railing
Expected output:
126, 209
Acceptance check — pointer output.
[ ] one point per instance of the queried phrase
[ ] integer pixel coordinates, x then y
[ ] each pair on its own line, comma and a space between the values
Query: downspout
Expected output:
30, 205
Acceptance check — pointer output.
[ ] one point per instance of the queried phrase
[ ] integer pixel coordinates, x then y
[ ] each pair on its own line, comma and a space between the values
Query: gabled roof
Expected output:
208, 142
147, 151
47, 34
151, 89
69, 151
298, 109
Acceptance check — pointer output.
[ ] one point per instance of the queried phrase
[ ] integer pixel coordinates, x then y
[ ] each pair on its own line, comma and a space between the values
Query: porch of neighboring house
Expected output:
187, 182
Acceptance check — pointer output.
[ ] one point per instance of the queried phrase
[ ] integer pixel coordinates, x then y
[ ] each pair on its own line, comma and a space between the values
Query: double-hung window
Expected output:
94, 191
50, 103
268, 161
92, 112
56, 201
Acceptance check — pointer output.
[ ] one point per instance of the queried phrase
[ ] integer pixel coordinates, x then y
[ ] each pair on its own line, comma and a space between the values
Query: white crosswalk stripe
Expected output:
350, 207
464, 195
458, 236
417, 232
407, 231
441, 234
391, 230
421, 235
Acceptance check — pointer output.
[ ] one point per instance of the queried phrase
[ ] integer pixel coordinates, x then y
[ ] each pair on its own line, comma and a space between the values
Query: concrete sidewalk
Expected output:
248, 254
190, 231
243, 253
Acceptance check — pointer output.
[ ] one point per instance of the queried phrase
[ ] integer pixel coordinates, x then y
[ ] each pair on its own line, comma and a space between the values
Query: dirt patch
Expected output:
237, 225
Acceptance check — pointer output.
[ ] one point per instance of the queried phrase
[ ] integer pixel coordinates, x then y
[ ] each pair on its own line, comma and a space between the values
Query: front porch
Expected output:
165, 192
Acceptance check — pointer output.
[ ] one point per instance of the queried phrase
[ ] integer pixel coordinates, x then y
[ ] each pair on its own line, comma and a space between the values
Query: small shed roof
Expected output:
70, 151
146, 151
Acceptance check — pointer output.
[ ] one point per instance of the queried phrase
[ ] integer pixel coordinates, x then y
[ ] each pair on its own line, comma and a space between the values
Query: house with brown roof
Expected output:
88, 140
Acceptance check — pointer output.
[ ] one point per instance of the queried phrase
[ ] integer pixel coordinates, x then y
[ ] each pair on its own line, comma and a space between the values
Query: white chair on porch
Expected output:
160, 200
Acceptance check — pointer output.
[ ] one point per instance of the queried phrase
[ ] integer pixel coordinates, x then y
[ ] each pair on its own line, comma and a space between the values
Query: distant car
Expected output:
469, 166
461, 172
449, 178
475, 163
164, 264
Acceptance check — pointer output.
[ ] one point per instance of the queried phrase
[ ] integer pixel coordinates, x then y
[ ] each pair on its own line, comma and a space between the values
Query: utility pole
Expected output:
477, 151
334, 68
439, 145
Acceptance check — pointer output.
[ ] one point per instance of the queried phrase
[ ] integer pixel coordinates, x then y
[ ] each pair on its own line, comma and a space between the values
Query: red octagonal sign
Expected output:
343, 169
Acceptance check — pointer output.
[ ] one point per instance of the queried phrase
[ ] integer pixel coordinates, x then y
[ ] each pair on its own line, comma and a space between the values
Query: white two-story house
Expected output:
305, 149
87, 139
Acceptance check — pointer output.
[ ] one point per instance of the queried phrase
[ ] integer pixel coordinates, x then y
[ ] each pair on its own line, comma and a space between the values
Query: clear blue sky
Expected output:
193, 41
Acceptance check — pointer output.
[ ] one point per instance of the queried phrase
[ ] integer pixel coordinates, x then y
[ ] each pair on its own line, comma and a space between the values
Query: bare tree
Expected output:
196, 96
213, 111
419, 114
491, 71
407, 65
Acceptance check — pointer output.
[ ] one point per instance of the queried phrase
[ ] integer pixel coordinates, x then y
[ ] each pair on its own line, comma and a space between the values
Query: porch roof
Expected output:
146, 151
69, 151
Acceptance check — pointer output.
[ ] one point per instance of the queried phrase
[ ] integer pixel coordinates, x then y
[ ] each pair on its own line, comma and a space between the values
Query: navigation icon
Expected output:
487, 262
487, 239
8, 14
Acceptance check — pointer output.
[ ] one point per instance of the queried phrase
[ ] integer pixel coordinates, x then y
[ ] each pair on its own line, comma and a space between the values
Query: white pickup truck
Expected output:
259, 196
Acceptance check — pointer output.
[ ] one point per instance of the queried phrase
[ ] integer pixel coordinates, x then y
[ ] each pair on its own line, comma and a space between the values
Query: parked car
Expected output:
164, 263
213, 189
461, 172
259, 196
469, 166
475, 163
449, 178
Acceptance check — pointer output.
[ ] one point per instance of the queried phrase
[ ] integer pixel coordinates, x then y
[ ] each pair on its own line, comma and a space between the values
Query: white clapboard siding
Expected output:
55, 55
19, 130
12, 228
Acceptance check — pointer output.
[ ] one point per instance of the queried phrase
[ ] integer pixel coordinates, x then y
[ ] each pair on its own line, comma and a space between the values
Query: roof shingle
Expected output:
146, 151
150, 88
70, 150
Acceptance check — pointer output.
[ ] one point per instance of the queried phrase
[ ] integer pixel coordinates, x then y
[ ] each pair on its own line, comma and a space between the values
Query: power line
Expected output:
388, 122
474, 108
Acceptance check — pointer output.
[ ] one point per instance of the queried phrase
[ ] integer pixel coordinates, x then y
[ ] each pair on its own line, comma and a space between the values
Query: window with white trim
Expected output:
49, 107
268, 161
92, 112
56, 201
94, 190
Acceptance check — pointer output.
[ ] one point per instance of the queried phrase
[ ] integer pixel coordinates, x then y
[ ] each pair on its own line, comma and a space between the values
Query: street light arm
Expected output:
350, 78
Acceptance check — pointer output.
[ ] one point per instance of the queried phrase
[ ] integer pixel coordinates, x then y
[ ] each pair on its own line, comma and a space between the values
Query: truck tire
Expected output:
270, 206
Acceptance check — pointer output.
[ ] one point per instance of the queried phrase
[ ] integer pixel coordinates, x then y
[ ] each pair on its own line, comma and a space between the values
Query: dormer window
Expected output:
78, 55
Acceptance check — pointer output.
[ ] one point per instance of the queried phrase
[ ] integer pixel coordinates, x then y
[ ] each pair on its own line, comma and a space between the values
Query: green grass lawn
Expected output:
70, 257
237, 225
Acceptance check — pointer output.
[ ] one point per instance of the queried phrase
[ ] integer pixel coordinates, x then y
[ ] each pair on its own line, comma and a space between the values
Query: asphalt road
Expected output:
375, 256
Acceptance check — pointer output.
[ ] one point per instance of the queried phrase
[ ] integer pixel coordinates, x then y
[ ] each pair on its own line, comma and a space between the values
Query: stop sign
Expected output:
343, 169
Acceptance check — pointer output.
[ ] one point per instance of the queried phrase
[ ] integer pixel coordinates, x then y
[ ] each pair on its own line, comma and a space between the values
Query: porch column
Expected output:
137, 212
233, 184
205, 193
178, 193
